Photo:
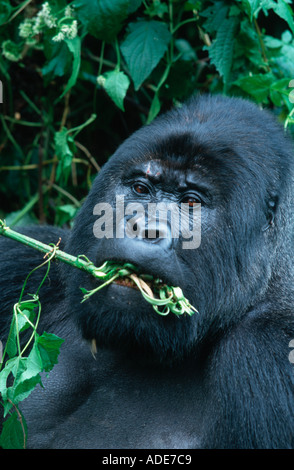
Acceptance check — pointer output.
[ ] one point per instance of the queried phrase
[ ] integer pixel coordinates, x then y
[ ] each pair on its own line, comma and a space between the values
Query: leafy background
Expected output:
79, 77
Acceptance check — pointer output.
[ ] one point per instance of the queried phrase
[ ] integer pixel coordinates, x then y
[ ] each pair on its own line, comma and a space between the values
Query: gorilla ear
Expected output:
272, 205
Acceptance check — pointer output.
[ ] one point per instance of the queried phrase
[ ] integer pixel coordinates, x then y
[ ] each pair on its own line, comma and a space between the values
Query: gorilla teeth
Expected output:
93, 348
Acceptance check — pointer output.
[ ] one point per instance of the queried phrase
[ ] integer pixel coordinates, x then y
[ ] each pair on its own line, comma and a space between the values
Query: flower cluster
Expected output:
66, 30
66, 27
59, 27
33, 26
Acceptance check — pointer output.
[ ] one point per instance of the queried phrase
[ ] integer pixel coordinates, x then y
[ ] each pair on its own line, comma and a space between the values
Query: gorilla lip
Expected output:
163, 298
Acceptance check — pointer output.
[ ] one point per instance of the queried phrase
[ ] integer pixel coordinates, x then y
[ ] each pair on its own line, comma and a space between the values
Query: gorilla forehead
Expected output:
226, 135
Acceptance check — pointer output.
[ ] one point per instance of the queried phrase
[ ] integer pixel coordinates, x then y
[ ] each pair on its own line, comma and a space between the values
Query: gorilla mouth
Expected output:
163, 298
146, 284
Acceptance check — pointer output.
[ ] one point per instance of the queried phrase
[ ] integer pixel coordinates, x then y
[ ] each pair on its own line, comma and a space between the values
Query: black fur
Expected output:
218, 379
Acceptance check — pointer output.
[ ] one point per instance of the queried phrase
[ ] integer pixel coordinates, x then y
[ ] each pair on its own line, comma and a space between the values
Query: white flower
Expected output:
44, 18
26, 28
73, 30
68, 11
59, 37
68, 31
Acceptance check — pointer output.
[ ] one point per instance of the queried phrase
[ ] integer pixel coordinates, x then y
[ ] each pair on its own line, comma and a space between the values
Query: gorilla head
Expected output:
233, 159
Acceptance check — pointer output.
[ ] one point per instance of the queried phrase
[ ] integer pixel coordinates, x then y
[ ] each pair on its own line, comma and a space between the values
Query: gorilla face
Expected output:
227, 156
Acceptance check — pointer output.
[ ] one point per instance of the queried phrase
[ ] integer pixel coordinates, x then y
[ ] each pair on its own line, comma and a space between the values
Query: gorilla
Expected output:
220, 378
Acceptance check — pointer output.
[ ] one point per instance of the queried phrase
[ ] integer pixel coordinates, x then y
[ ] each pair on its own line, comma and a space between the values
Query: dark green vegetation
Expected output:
79, 77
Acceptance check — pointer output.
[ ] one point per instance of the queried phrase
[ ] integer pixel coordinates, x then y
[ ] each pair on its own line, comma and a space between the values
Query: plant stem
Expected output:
61, 255
171, 298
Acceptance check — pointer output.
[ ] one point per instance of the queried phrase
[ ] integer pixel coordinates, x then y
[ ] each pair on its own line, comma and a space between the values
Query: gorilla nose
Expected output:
155, 232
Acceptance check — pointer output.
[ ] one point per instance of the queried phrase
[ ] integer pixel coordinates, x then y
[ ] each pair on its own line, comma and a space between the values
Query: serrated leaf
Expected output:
116, 85
215, 15
143, 48
103, 19
12, 436
222, 49
34, 364
49, 348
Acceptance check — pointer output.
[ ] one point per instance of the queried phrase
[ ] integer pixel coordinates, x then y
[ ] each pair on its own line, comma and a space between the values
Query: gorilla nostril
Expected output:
152, 234
155, 234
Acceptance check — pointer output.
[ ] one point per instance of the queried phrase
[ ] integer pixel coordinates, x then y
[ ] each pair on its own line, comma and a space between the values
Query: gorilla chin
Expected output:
118, 317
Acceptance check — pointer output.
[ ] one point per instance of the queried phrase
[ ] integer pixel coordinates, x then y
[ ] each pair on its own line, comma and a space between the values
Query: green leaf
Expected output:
65, 214
116, 85
49, 348
16, 366
20, 323
253, 7
134, 5
103, 19
11, 346
34, 364
4, 375
272, 43
65, 148
154, 108
74, 46
143, 48
59, 59
5, 10
247, 46
186, 50
12, 434
284, 11
215, 15
222, 49
279, 91
11, 50
23, 389
257, 86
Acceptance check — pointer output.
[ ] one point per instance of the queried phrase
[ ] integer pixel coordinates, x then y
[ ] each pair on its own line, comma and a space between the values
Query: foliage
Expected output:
102, 68
21, 372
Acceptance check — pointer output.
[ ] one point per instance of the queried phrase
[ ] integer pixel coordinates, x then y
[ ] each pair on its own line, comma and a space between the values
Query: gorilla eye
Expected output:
191, 200
140, 188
